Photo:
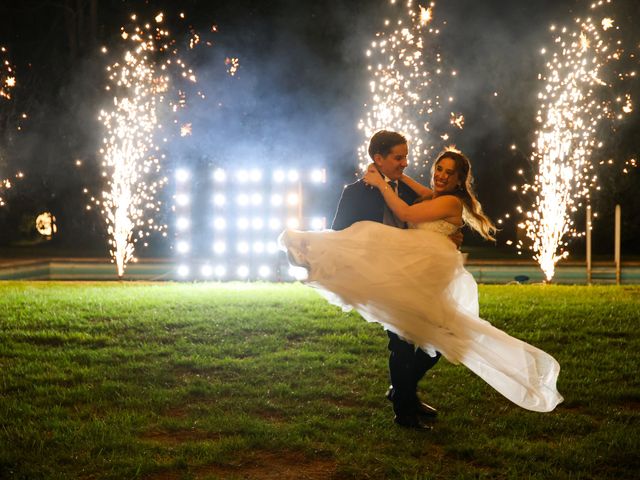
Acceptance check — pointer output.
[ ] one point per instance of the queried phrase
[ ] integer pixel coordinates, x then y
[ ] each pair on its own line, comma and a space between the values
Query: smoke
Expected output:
495, 48
294, 100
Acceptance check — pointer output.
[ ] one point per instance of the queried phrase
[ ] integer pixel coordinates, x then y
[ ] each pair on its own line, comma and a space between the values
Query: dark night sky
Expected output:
298, 94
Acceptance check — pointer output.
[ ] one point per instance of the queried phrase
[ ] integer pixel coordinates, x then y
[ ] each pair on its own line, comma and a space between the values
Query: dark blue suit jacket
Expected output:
360, 202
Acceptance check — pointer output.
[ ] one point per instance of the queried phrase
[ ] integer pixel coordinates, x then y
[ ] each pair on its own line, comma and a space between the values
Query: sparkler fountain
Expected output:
579, 93
141, 83
7, 117
7, 75
407, 74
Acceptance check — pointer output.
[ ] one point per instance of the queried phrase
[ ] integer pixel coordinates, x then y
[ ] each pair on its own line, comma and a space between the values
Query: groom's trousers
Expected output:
407, 365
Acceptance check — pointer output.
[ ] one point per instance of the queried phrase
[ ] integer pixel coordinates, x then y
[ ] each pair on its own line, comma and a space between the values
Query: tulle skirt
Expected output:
413, 282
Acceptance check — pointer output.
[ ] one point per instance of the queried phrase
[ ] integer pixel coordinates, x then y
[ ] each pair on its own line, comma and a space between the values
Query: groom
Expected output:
407, 364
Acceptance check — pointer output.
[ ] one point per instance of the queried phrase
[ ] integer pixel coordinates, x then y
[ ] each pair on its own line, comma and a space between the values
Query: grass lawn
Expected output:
268, 381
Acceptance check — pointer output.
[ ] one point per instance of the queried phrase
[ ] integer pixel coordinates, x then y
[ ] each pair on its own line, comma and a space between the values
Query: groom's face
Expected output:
393, 164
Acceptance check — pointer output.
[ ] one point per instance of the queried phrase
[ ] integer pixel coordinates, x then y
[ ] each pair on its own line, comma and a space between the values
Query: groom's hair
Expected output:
383, 141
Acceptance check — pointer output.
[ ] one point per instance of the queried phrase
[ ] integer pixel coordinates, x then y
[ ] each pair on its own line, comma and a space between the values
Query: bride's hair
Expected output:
472, 213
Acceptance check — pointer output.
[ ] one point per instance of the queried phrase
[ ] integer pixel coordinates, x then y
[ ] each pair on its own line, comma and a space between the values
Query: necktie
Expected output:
389, 218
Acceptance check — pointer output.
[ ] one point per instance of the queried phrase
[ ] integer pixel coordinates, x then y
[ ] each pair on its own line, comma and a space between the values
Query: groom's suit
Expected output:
407, 365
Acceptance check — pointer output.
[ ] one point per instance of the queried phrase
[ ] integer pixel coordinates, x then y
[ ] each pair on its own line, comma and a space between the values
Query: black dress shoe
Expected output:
389, 393
426, 410
411, 421
421, 408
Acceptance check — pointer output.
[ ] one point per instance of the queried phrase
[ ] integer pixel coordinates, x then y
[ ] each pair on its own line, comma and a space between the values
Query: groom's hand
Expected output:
457, 238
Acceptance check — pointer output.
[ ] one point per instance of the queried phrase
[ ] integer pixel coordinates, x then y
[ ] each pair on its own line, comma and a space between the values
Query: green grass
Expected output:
194, 381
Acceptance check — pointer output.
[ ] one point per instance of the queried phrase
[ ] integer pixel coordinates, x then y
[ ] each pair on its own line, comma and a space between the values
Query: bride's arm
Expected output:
427, 211
421, 190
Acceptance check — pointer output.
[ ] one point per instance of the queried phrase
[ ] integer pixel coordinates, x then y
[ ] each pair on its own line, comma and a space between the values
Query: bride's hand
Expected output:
373, 177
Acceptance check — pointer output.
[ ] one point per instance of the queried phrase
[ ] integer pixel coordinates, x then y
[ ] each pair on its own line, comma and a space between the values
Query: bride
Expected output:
413, 282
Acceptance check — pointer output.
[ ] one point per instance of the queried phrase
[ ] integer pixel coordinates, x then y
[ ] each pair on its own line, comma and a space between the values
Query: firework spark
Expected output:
457, 120
426, 15
7, 74
141, 83
185, 130
232, 64
629, 164
579, 80
8, 119
405, 78
6, 184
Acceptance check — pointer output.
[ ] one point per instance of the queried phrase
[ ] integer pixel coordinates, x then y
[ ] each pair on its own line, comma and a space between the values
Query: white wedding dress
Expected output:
413, 282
